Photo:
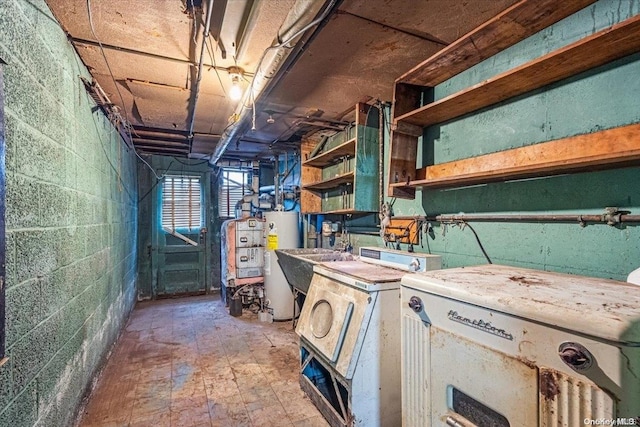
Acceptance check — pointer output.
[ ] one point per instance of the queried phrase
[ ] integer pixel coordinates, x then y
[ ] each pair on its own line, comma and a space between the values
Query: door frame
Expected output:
157, 232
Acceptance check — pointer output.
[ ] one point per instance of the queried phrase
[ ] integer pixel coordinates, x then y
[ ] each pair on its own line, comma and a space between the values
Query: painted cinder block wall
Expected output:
71, 223
606, 97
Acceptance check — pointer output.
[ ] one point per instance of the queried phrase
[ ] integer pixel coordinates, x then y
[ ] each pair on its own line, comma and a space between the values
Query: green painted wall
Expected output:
602, 98
71, 224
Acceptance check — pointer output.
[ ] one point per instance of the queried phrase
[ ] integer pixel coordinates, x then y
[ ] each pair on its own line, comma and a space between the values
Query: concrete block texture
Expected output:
71, 215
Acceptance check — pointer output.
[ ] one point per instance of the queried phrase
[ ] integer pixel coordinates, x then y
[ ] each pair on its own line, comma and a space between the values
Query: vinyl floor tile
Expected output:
188, 363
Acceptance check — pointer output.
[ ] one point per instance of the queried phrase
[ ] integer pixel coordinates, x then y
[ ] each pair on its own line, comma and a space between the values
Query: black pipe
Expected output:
196, 90
607, 218
143, 53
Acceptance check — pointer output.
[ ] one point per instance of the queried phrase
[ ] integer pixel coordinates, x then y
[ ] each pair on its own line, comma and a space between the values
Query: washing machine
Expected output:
350, 336
503, 346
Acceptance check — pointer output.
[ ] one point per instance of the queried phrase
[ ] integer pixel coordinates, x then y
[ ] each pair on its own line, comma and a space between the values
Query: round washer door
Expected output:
321, 318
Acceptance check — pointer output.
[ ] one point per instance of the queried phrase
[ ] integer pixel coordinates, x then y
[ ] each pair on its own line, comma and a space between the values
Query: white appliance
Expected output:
503, 346
350, 340
249, 257
242, 254
401, 260
280, 232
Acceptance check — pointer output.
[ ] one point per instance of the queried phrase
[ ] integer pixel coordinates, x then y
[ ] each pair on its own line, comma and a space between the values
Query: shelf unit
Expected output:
346, 149
409, 117
342, 175
588, 152
330, 183
592, 51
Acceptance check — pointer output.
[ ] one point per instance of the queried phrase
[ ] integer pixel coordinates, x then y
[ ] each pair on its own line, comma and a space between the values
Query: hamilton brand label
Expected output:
480, 325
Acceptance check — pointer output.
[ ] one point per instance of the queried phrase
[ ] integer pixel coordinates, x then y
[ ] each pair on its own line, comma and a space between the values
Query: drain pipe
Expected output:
381, 123
205, 37
298, 21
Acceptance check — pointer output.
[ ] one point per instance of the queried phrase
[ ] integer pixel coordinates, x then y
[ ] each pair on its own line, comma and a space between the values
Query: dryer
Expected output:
350, 336
503, 346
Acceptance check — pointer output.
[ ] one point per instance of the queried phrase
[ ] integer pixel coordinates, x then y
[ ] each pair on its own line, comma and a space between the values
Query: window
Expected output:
181, 202
233, 186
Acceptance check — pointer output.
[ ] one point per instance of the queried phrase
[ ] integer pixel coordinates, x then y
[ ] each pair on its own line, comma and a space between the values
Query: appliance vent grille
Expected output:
416, 406
565, 401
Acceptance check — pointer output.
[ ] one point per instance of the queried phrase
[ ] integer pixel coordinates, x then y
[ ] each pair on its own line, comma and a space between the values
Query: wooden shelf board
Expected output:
516, 23
599, 150
346, 149
330, 183
309, 201
598, 49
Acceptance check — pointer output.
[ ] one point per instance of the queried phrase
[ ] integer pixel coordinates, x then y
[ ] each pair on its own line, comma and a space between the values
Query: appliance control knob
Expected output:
416, 304
575, 355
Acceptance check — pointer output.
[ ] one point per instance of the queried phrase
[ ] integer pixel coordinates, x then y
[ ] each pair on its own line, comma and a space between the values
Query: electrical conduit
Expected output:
300, 19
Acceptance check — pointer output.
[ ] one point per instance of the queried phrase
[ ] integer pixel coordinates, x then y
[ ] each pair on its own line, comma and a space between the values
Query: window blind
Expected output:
181, 202
232, 188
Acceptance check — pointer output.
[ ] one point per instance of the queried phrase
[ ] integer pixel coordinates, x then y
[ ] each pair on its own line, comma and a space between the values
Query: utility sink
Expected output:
297, 264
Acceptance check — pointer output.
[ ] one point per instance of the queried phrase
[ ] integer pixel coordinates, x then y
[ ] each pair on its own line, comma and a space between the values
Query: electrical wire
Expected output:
127, 127
93, 31
426, 238
215, 66
478, 240
154, 185
189, 164
253, 110
124, 121
116, 169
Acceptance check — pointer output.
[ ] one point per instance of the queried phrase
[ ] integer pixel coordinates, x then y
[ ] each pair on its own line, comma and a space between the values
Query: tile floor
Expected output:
186, 362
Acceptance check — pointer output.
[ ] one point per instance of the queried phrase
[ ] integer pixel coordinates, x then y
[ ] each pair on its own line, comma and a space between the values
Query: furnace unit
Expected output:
242, 254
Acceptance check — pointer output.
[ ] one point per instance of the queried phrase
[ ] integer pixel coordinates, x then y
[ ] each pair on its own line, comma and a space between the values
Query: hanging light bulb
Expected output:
235, 93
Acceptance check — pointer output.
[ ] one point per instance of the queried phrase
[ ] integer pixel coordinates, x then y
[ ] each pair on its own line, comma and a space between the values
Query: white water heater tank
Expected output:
281, 231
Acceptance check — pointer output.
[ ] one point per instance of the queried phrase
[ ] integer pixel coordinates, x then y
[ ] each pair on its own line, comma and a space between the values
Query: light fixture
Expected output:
236, 73
271, 120
235, 93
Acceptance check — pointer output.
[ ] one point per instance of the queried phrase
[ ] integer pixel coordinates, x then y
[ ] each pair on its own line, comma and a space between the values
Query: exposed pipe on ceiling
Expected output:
106, 46
196, 89
298, 21
250, 23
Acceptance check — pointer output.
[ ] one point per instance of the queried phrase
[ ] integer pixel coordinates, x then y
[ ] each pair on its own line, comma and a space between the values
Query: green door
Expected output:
179, 242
